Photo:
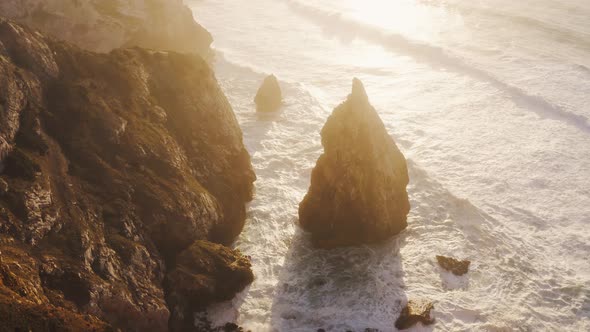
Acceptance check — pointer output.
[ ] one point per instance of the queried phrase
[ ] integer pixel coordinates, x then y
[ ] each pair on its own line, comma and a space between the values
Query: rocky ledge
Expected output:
358, 186
204, 273
103, 25
116, 170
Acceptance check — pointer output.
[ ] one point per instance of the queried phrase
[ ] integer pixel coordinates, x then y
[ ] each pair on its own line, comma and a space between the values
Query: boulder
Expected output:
457, 267
269, 97
416, 311
358, 186
205, 273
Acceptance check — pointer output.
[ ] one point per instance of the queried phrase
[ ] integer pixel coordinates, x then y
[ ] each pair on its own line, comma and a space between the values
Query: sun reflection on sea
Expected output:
410, 18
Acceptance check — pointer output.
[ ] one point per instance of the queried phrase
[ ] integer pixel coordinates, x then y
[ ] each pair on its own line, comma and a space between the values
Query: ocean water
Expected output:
490, 103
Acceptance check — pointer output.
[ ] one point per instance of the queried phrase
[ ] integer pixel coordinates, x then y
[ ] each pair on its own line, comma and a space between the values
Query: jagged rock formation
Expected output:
103, 25
453, 265
113, 166
205, 273
416, 311
269, 97
358, 186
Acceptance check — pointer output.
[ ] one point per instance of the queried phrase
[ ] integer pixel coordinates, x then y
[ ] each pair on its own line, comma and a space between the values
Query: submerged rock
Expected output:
453, 265
115, 164
358, 186
414, 312
230, 327
204, 273
203, 324
269, 97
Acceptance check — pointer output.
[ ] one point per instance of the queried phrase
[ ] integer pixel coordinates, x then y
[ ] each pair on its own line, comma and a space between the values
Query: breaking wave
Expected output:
436, 57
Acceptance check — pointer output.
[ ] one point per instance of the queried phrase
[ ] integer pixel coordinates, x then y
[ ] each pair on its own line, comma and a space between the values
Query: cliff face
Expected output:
103, 25
111, 167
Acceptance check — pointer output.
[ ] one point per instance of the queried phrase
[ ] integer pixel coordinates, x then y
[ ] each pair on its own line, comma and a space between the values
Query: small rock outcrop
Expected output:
269, 97
457, 267
204, 273
358, 186
115, 166
101, 25
203, 324
416, 311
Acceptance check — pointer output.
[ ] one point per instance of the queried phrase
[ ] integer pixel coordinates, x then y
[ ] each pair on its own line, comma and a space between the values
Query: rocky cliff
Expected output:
358, 186
115, 171
103, 25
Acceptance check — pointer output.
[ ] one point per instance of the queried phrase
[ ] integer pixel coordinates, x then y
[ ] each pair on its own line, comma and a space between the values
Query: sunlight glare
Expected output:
405, 17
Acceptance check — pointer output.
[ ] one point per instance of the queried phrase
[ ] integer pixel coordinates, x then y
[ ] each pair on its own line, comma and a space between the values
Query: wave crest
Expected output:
436, 57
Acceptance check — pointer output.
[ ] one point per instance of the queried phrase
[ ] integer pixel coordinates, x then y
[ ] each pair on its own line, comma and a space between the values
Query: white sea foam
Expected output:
499, 166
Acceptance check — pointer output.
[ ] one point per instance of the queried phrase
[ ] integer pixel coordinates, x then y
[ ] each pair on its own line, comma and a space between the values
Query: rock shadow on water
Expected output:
345, 289
268, 117
449, 281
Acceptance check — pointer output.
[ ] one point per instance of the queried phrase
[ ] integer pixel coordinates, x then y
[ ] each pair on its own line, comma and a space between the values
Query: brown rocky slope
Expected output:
113, 168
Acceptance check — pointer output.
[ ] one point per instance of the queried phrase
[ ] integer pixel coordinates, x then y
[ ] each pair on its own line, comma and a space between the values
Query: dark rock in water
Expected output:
202, 324
453, 265
269, 97
116, 164
358, 186
414, 312
230, 327
204, 273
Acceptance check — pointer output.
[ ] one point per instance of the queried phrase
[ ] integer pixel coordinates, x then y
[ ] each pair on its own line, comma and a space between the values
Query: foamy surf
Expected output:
499, 171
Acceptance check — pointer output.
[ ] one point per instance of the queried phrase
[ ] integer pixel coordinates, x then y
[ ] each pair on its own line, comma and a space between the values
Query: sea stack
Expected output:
358, 186
269, 97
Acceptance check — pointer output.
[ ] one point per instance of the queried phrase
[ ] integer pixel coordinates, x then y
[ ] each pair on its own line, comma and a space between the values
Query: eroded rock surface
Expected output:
358, 186
269, 97
457, 267
416, 311
113, 165
103, 25
26, 306
204, 273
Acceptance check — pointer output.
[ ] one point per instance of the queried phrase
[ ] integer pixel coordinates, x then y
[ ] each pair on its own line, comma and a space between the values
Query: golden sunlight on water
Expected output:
411, 18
